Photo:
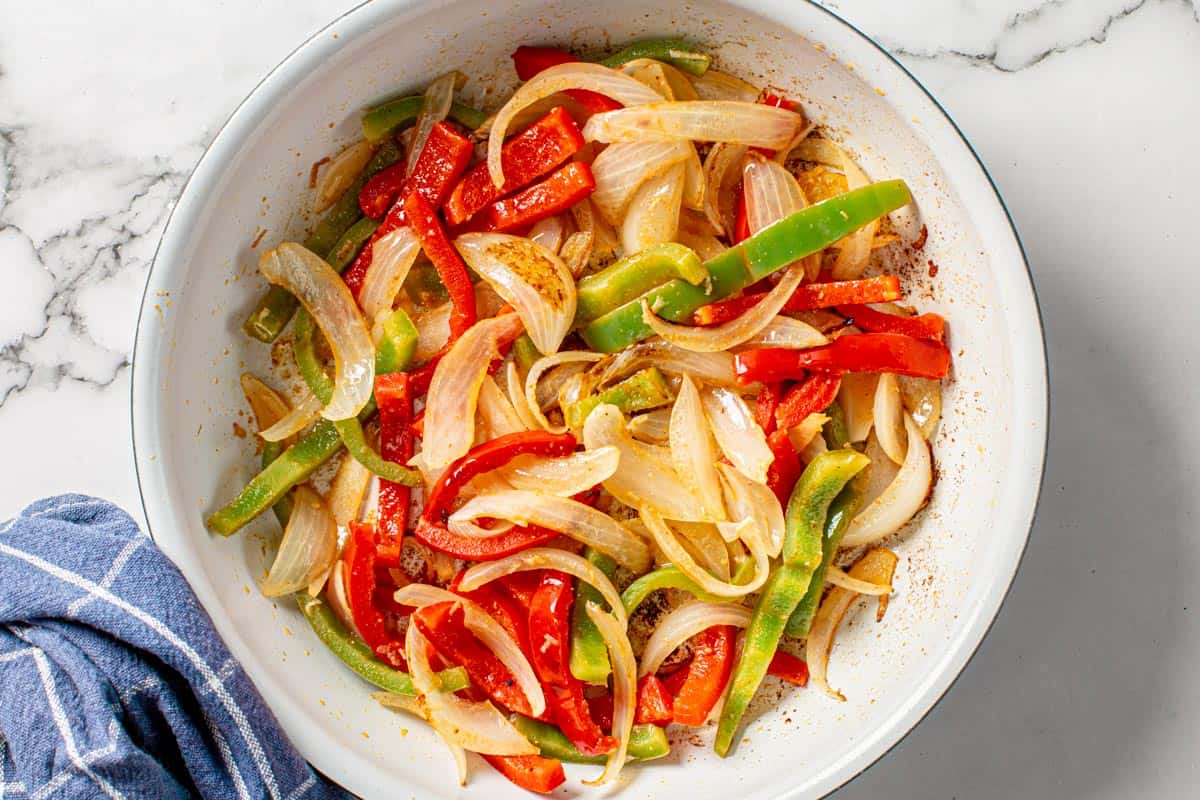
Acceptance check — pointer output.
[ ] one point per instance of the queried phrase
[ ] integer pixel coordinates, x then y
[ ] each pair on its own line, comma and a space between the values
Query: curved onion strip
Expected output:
535, 373
693, 452
566, 476
576, 251
855, 249
342, 171
876, 566
267, 405
546, 558
736, 432
496, 413
773, 193
714, 368
308, 548
857, 396
516, 396
392, 257
705, 244
923, 399
439, 96
433, 331
747, 499
548, 232
788, 333
705, 541
722, 170
653, 426
493, 635
620, 169
901, 500
836, 576
604, 238
533, 279
570, 517
735, 121
576, 75
683, 623
335, 595
401, 702
881, 472
624, 669
296, 420
675, 552
693, 180
551, 385
326, 297
887, 415
454, 390
716, 85
645, 476
653, 216
347, 491
782, 154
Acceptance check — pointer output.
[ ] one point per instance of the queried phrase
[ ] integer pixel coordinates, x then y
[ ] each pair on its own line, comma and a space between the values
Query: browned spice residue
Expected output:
312, 173
933, 269
919, 243
258, 239
239, 431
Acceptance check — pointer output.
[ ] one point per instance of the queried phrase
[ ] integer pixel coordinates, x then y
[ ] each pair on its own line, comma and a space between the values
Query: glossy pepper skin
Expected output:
676, 52
706, 676
449, 264
633, 276
774, 247
369, 594
810, 396
553, 195
589, 654
860, 352
382, 121
645, 389
923, 326
646, 742
809, 297
396, 443
532, 773
805, 519
841, 512
529, 61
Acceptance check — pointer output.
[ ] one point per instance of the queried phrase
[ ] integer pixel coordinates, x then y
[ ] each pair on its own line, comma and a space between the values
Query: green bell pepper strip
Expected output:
383, 120
355, 654
669, 577
398, 345
633, 276
774, 247
837, 522
589, 655
644, 389
808, 507
676, 52
646, 742
276, 307
525, 352
283, 506
342, 254
837, 435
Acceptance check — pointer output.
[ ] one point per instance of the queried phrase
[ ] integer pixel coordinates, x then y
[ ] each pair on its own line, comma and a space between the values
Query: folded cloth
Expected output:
113, 681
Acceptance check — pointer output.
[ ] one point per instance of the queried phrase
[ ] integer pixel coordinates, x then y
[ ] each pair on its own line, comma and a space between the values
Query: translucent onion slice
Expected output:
706, 543
546, 558
496, 412
836, 576
267, 405
342, 171
433, 331
716, 85
736, 432
653, 216
773, 193
722, 171
534, 280
576, 251
877, 566
923, 399
401, 702
682, 624
621, 168
326, 297
675, 552
645, 476
857, 396
347, 491
439, 96
855, 252
551, 385
693, 452
570, 517
809, 428
516, 396
392, 256
712, 368
887, 415
736, 121
788, 333
903, 498
624, 668
705, 244
493, 635
576, 75
693, 180
296, 420
604, 238
566, 476
653, 426
538, 369
454, 390
308, 548
335, 595
748, 499
548, 232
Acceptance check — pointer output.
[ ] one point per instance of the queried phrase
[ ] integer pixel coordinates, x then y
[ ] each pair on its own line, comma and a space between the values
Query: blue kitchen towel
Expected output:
113, 681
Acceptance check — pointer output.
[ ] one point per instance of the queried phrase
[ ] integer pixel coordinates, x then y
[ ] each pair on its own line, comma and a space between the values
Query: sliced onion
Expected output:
546, 558
901, 500
735, 121
620, 169
714, 368
335, 595
653, 426
342, 171
815, 447
565, 476
516, 396
496, 412
749, 499
772, 193
645, 476
876, 566
551, 385
722, 171
716, 85
663, 78
653, 216
736, 432
570, 517
267, 405
576, 251
326, 297
308, 548
788, 333
433, 331
454, 390
534, 280
683, 623
671, 547
347, 491
857, 396
887, 415
706, 544
493, 635
837, 577
392, 256
604, 238
881, 472
855, 250
693, 452
693, 180
624, 669
576, 75
401, 702
535, 373
923, 399
435, 107
705, 244
548, 232
296, 420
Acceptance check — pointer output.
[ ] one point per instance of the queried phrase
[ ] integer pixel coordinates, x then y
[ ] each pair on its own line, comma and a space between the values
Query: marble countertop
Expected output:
1086, 113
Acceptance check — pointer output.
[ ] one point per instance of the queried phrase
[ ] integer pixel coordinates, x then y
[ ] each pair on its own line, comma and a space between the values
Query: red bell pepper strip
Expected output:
779, 101
555, 194
768, 401
395, 444
446, 260
549, 630
879, 289
533, 773
787, 667
368, 592
525, 157
706, 676
501, 606
529, 61
443, 160
741, 225
863, 352
785, 469
812, 395
521, 586
442, 624
654, 704
924, 326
